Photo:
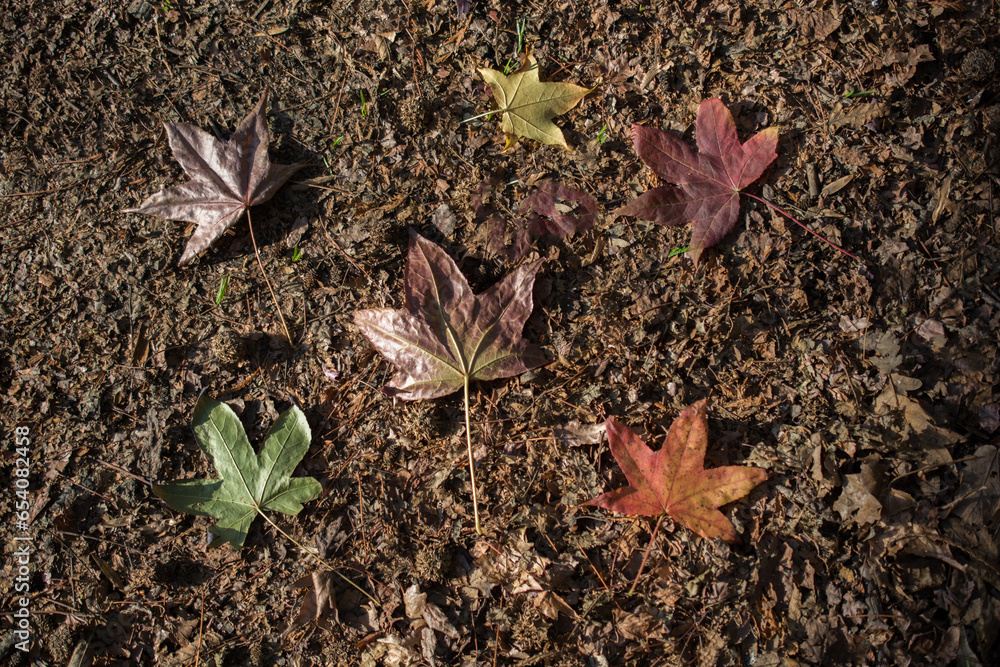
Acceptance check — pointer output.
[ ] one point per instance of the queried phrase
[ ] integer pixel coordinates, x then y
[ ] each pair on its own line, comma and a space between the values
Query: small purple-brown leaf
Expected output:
446, 334
548, 213
226, 178
552, 209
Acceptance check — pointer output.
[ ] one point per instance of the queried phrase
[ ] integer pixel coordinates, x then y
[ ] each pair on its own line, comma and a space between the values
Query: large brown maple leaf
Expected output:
709, 180
446, 336
674, 480
227, 178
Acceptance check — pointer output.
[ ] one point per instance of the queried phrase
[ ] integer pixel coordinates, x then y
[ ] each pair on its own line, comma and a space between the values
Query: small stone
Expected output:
228, 347
978, 65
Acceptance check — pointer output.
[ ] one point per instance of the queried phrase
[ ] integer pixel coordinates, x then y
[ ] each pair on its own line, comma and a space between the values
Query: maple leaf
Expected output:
545, 212
226, 178
674, 480
446, 336
709, 179
528, 105
251, 483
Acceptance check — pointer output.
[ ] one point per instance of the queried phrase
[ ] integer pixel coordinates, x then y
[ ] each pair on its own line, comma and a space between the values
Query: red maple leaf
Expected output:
674, 480
708, 180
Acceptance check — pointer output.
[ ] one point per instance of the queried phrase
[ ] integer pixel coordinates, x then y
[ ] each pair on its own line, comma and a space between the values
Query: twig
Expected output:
201, 630
346, 256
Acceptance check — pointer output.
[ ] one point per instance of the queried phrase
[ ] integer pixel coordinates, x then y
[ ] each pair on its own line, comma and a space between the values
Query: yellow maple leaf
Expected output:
529, 105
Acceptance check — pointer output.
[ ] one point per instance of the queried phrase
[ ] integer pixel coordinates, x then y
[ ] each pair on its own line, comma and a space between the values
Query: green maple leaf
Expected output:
251, 483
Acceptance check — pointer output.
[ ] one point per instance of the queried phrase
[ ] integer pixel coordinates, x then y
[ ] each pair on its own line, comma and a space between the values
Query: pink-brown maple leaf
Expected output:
674, 480
708, 181
227, 178
447, 336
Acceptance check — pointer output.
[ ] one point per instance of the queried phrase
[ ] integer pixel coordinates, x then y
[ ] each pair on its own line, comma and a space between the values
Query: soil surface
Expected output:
866, 389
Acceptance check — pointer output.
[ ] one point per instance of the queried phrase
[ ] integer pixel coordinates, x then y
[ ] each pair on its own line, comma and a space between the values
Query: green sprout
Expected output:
678, 251
296, 253
364, 105
511, 62
858, 93
602, 136
337, 143
221, 294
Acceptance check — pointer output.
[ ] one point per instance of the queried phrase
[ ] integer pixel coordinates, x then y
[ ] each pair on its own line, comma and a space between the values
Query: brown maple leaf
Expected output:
227, 178
446, 336
674, 480
709, 180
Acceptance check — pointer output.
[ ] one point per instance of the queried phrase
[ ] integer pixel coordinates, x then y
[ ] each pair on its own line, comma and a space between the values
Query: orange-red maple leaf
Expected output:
674, 479
708, 180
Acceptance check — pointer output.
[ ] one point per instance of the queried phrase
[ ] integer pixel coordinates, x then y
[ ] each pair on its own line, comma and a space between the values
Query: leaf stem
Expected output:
483, 115
646, 555
472, 467
793, 219
274, 298
319, 560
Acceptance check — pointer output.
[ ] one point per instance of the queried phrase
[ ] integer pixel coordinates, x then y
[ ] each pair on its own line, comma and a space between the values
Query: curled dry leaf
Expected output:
227, 178
319, 602
674, 480
552, 209
529, 105
446, 334
707, 181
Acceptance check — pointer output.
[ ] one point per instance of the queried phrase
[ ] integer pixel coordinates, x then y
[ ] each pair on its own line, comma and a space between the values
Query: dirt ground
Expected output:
868, 390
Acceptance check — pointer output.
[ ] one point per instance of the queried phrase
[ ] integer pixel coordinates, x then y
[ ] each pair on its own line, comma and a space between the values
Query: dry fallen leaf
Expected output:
319, 602
708, 181
858, 501
227, 178
674, 480
447, 336
528, 105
